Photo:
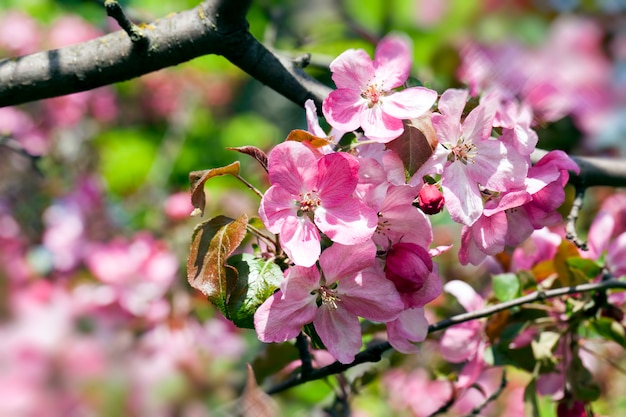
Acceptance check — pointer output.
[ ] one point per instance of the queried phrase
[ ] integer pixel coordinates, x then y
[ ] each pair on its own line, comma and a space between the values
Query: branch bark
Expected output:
216, 27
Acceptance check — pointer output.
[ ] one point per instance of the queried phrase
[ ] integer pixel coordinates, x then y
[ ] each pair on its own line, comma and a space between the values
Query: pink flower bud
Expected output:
430, 199
568, 408
408, 266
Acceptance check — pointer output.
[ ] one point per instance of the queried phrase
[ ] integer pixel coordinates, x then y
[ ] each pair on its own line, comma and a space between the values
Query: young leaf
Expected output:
588, 267
506, 286
568, 276
257, 279
254, 402
212, 243
416, 144
304, 136
199, 178
609, 329
254, 152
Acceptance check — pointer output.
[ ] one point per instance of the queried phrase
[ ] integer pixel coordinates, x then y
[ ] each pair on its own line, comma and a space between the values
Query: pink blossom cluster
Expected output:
357, 245
86, 310
568, 74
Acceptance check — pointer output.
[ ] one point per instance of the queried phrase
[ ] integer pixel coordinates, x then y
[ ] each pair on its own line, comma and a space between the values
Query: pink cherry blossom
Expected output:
400, 221
350, 284
468, 159
464, 341
365, 95
410, 327
308, 192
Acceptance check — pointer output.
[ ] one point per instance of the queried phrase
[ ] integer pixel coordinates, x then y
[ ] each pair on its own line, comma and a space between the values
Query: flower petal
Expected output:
409, 103
293, 166
392, 60
379, 126
338, 174
352, 69
349, 223
280, 318
410, 327
277, 205
300, 240
341, 261
342, 109
370, 295
340, 331
463, 199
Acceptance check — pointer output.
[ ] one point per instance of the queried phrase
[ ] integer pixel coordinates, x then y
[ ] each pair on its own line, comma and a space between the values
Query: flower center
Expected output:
462, 151
329, 297
309, 201
373, 94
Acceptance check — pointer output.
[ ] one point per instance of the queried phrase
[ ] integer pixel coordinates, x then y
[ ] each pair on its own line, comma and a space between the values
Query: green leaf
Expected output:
257, 280
568, 276
588, 267
212, 243
609, 329
506, 286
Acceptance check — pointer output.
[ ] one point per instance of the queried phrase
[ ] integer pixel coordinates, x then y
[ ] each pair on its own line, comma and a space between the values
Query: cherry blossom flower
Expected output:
365, 95
468, 160
348, 285
464, 341
308, 192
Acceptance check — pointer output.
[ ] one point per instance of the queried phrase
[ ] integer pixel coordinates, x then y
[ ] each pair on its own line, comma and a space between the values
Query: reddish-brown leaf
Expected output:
416, 144
254, 402
304, 136
212, 243
199, 178
254, 152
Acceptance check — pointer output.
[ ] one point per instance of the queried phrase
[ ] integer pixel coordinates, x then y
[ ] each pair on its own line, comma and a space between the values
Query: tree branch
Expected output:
216, 27
594, 171
374, 352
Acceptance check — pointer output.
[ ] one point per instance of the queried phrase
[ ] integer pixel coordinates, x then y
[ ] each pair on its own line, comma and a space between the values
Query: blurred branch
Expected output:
594, 171
216, 27
374, 353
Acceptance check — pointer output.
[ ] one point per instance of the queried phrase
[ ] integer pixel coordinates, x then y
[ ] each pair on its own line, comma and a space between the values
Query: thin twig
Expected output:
135, 33
503, 382
570, 226
10, 143
374, 353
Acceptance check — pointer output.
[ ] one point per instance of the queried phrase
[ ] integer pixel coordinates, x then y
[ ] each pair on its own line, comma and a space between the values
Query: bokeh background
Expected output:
96, 316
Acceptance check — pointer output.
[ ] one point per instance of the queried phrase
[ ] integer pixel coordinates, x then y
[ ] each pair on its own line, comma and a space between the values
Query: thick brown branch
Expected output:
214, 27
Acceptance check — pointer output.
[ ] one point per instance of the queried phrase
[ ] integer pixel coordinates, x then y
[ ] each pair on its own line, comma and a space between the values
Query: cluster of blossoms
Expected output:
347, 219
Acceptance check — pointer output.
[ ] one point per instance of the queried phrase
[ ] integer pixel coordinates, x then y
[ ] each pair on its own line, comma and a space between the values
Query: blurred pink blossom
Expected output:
136, 274
178, 206
19, 33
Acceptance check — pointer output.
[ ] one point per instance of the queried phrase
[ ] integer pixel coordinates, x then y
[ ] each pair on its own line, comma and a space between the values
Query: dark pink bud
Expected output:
430, 199
408, 266
569, 408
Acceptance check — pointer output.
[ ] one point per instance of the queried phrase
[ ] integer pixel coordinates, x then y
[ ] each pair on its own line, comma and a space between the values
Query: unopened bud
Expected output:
430, 199
571, 408
408, 266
